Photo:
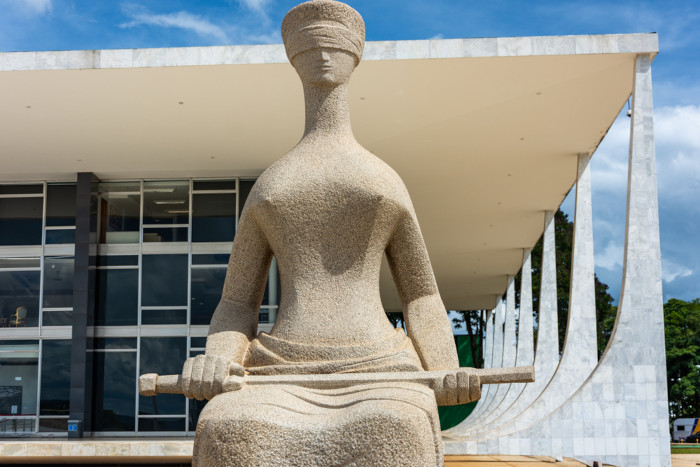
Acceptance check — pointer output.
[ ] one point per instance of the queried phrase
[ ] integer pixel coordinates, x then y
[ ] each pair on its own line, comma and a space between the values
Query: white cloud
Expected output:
256, 5
678, 126
672, 271
611, 256
181, 20
38, 6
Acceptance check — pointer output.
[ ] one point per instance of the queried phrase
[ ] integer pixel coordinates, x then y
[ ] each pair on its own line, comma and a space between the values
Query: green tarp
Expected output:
452, 416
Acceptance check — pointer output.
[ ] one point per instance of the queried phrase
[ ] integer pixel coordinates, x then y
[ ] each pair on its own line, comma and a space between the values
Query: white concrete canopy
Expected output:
469, 124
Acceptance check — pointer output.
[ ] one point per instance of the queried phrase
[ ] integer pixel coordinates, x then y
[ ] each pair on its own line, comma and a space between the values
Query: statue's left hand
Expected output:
203, 376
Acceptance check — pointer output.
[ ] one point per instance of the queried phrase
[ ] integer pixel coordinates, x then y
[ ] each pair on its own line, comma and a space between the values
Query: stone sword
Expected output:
452, 387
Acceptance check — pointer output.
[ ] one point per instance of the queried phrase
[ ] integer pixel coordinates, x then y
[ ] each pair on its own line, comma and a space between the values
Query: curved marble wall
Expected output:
613, 411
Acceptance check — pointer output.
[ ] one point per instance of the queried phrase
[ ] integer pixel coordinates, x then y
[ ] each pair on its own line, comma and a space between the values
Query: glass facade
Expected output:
162, 247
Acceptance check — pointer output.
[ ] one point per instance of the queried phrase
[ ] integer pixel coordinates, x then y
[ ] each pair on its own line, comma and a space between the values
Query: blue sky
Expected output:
27, 25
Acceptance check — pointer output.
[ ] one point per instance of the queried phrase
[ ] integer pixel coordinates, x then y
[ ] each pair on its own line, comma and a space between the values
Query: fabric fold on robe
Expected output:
268, 355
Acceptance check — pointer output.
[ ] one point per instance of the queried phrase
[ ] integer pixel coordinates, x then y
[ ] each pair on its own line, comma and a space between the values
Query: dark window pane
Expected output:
55, 377
272, 288
60, 205
19, 263
53, 425
18, 379
120, 215
117, 260
57, 318
163, 355
194, 353
211, 259
56, 237
195, 409
198, 342
115, 343
213, 217
162, 424
20, 221
58, 282
166, 202
19, 298
114, 396
163, 316
207, 285
244, 191
214, 185
20, 189
164, 234
164, 280
117, 297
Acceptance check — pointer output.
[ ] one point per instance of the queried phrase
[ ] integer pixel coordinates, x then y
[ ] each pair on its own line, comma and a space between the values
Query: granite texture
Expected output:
328, 211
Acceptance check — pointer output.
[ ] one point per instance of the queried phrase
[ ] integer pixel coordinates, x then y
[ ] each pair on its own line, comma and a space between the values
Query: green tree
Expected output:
682, 330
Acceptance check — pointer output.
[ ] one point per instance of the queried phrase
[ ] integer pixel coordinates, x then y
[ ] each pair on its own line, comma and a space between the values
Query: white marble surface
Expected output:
95, 450
619, 415
579, 356
378, 50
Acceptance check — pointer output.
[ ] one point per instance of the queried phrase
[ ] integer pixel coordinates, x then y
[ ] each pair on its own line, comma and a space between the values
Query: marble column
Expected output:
525, 348
579, 356
619, 415
496, 362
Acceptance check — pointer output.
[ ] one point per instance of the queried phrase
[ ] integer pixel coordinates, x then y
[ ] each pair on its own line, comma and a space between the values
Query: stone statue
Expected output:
328, 211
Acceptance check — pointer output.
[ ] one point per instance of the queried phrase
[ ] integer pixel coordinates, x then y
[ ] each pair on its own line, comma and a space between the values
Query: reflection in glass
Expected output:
62, 236
114, 396
19, 364
211, 258
195, 409
119, 207
164, 234
213, 217
19, 298
21, 189
58, 282
60, 204
164, 280
55, 377
115, 343
214, 185
166, 202
244, 191
197, 342
57, 318
207, 284
19, 263
132, 260
53, 425
162, 424
117, 297
162, 355
20, 221
163, 316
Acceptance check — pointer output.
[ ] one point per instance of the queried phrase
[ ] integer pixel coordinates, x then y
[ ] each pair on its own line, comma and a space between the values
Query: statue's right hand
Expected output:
203, 376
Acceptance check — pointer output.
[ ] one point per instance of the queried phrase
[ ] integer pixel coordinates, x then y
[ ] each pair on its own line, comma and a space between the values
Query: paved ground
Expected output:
685, 460
503, 461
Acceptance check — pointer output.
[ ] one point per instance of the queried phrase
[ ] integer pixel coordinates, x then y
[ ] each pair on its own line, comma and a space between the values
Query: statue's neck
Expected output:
327, 114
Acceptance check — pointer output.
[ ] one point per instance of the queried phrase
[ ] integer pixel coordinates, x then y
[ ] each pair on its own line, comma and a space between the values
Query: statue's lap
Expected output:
259, 425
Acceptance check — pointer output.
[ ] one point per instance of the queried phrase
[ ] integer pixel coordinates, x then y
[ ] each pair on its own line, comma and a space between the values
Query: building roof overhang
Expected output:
484, 132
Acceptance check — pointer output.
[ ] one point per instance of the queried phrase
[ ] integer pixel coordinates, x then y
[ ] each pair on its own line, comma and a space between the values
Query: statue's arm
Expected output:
427, 322
235, 320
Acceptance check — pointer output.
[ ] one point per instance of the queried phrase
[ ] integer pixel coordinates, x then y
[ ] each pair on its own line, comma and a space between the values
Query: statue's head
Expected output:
324, 40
